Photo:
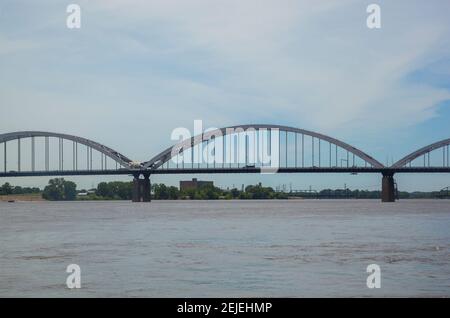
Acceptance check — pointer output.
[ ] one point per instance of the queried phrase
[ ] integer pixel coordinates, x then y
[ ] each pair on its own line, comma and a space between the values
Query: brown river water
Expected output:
284, 248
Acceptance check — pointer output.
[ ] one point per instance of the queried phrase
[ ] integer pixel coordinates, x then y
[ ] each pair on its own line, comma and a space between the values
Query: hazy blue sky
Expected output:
138, 69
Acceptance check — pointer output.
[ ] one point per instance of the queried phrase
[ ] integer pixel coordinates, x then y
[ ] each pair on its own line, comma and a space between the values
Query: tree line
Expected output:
8, 189
123, 191
59, 189
210, 192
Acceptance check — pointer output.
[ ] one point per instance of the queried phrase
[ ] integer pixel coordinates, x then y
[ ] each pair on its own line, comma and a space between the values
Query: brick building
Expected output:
194, 184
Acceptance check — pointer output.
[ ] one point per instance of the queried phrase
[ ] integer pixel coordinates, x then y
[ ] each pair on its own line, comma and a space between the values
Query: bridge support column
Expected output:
141, 189
136, 192
145, 188
388, 188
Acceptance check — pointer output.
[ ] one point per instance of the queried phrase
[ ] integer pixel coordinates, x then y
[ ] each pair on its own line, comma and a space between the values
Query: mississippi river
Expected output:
294, 248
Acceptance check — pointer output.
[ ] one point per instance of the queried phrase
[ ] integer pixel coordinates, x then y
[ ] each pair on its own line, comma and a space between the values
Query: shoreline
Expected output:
22, 197
38, 198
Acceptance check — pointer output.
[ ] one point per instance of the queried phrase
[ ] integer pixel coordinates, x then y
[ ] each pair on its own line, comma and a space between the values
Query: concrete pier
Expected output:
145, 188
136, 194
141, 189
388, 188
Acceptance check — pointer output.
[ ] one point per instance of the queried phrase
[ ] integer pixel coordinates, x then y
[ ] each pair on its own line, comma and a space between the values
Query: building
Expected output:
194, 184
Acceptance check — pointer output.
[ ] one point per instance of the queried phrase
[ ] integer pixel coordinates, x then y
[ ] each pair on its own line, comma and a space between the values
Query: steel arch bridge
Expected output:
255, 130
234, 149
444, 193
425, 153
90, 145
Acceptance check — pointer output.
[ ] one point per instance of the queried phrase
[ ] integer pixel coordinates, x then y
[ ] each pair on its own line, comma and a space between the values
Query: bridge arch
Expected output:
424, 151
109, 152
166, 155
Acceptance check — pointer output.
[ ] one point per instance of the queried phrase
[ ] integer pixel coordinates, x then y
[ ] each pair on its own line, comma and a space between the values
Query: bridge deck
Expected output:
224, 170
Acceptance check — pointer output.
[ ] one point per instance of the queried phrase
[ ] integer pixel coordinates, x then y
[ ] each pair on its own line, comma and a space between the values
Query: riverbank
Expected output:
21, 197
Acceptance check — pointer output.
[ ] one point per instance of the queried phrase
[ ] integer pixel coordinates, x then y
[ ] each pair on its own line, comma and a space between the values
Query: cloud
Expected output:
308, 64
8, 46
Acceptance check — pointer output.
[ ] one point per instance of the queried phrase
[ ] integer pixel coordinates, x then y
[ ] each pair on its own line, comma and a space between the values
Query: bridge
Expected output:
235, 149
444, 193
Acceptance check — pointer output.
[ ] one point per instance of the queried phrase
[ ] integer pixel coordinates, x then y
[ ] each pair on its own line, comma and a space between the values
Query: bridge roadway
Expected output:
139, 172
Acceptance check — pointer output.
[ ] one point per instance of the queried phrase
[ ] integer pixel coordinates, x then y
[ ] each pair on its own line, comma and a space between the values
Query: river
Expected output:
285, 248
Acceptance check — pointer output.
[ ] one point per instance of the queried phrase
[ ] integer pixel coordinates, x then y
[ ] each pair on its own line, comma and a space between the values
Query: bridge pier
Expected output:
388, 188
141, 189
146, 188
136, 194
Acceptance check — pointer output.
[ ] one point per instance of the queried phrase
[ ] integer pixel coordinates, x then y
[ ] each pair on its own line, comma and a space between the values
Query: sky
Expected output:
136, 70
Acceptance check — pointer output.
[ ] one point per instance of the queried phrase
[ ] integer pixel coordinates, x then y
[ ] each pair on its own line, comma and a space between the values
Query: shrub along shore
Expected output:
59, 189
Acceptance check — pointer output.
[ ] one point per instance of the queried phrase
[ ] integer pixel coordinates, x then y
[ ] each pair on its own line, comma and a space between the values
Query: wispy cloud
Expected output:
307, 63
9, 46
302, 63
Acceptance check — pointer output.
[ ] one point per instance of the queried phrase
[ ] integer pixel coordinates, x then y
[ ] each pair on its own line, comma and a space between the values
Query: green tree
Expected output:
173, 193
211, 192
235, 193
6, 188
116, 190
160, 192
258, 192
124, 190
54, 190
58, 189
70, 190
103, 190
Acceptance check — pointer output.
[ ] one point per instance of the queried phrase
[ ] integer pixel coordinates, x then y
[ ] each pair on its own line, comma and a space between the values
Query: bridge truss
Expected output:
74, 153
235, 149
252, 146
